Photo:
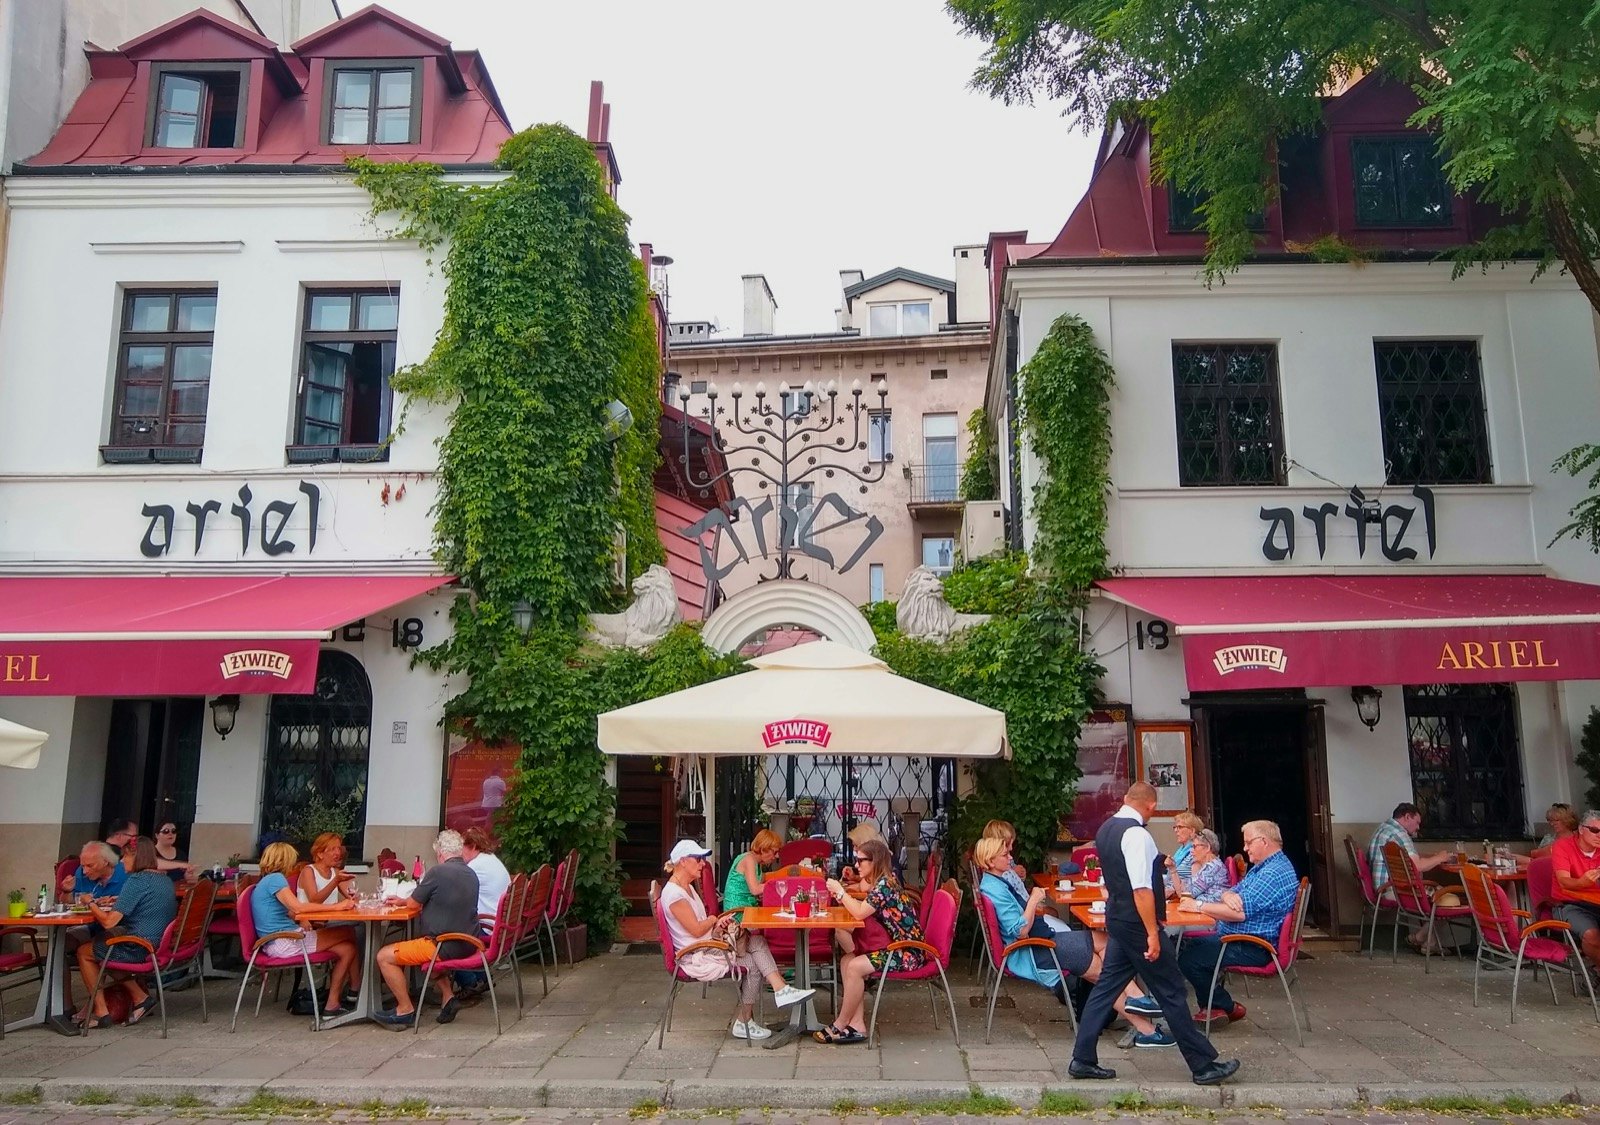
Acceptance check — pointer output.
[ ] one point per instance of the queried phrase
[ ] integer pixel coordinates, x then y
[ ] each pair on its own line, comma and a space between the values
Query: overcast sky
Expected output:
792, 140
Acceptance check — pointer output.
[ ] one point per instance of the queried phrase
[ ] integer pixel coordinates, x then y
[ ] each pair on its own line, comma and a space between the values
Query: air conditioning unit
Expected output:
983, 528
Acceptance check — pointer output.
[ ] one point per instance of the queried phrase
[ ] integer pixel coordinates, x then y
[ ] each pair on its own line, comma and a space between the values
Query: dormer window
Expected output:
198, 105
904, 318
1400, 182
374, 104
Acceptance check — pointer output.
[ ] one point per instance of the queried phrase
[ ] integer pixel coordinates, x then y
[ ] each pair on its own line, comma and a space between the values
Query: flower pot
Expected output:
16, 909
802, 909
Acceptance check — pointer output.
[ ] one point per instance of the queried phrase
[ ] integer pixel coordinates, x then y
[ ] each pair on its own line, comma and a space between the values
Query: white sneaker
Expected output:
751, 1030
789, 994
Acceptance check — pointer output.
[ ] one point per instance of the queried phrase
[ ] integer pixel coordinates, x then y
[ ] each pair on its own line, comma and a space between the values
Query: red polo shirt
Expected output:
1566, 856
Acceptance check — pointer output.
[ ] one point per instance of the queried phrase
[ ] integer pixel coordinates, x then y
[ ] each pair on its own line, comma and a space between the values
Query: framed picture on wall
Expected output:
1163, 757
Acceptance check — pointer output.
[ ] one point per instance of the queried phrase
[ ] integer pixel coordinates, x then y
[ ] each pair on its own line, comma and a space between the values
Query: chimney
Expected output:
972, 284
845, 313
760, 307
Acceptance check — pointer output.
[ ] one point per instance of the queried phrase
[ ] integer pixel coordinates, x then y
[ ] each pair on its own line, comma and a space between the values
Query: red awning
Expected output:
1251, 633
257, 634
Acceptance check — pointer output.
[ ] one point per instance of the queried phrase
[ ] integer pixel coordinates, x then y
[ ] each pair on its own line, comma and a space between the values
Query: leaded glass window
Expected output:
319, 744
1430, 405
1466, 764
1230, 430
1400, 182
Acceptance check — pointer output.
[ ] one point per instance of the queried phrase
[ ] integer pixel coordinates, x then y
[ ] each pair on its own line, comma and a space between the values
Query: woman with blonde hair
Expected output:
1184, 827
276, 910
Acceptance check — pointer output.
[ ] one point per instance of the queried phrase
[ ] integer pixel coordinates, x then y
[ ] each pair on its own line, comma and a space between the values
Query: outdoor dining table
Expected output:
1515, 879
51, 1008
803, 1016
1181, 919
1078, 894
369, 1001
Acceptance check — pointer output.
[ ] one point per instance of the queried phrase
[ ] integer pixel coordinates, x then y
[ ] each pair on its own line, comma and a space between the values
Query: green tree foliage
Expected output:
1025, 661
1065, 409
546, 321
1512, 88
1588, 757
980, 475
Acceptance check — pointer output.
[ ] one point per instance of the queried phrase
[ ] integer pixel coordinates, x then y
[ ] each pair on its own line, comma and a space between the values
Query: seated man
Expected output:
1258, 905
1401, 828
100, 874
449, 897
1575, 864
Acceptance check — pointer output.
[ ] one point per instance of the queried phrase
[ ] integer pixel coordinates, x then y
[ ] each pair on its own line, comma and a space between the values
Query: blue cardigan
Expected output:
1009, 913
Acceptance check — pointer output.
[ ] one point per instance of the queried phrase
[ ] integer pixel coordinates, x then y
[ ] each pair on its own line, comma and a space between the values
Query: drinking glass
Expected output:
824, 899
783, 894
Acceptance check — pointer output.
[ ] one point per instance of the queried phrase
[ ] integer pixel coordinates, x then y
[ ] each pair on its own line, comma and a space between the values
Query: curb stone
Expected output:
1536, 1092
1292, 1096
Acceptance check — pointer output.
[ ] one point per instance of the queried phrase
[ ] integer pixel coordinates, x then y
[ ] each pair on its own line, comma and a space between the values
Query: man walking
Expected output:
1138, 946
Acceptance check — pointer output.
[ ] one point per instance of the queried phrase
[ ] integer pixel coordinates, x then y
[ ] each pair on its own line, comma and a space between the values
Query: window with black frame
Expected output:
1466, 760
1230, 429
1400, 182
347, 358
1430, 407
163, 375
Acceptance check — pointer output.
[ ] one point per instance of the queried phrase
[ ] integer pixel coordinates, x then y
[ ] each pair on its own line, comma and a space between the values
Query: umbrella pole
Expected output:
711, 804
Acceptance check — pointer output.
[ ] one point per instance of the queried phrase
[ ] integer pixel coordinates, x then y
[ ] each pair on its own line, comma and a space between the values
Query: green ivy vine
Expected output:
1024, 661
1065, 408
979, 478
546, 321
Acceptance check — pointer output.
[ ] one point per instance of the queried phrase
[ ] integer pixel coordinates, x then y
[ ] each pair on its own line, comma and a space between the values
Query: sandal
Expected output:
829, 1034
143, 1008
94, 1023
850, 1035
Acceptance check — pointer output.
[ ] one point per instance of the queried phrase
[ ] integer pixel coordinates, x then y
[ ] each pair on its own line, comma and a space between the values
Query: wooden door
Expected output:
1319, 829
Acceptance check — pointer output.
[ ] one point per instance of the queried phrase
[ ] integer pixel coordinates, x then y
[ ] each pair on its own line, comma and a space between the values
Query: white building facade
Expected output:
1327, 477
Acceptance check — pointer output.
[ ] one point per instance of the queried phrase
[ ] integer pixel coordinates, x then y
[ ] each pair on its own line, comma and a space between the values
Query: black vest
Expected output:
1119, 887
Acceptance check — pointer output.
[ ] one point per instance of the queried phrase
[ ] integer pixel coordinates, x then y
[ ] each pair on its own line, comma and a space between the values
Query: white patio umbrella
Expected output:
819, 698
19, 745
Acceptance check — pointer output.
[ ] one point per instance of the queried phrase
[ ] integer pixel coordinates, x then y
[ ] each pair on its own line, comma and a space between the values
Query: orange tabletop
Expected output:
226, 892
1590, 897
1497, 874
387, 912
769, 918
1079, 894
1186, 919
78, 918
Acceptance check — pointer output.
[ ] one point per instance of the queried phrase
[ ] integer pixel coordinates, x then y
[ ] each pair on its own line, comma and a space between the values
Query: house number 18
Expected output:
1153, 634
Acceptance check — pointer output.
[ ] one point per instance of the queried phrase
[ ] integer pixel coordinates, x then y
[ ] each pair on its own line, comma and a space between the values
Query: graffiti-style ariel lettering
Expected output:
1394, 522
271, 536
797, 526
1282, 520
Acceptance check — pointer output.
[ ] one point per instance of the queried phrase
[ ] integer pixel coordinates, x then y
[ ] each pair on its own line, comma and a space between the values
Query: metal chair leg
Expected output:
994, 995
666, 1020
161, 999
1584, 969
1516, 980
494, 1001
1289, 996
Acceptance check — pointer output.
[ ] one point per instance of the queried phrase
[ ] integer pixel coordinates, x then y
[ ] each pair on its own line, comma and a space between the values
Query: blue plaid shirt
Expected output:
1268, 891
1390, 831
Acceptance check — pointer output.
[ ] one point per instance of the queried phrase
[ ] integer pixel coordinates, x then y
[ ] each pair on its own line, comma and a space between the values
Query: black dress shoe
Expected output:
1095, 1070
1214, 1074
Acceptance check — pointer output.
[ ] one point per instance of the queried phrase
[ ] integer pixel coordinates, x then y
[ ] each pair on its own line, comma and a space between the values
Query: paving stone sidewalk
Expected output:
1379, 1031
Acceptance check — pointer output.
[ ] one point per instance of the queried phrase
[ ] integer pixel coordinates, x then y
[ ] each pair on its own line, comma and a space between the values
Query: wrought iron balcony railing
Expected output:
935, 484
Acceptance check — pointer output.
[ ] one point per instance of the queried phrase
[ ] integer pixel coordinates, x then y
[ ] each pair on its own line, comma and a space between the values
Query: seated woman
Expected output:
144, 908
1006, 833
275, 909
1209, 875
687, 923
1184, 827
1563, 822
744, 884
898, 918
1080, 952
323, 880
171, 860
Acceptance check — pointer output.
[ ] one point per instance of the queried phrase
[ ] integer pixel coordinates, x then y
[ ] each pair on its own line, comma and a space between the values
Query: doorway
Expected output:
153, 763
317, 751
1267, 762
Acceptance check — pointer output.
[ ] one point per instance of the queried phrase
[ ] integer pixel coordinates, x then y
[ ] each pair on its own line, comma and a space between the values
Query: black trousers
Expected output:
1125, 960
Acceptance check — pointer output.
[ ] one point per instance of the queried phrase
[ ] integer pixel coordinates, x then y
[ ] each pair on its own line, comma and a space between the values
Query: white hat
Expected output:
683, 849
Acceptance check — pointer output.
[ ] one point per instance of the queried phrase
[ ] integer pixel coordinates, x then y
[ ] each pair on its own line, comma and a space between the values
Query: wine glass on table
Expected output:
783, 894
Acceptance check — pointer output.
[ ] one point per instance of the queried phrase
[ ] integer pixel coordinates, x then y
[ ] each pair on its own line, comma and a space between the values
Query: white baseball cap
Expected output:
683, 849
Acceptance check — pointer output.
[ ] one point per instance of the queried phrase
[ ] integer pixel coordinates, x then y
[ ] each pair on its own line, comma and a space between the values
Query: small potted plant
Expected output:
802, 903
17, 903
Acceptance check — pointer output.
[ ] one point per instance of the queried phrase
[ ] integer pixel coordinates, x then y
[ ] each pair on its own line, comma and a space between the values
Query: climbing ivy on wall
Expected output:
546, 321
1065, 409
979, 476
1026, 662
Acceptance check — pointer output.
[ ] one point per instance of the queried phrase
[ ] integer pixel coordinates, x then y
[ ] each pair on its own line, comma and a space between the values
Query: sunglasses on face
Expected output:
1595, 828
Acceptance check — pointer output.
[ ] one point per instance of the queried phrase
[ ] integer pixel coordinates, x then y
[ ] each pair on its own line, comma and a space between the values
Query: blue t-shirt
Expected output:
83, 885
148, 904
268, 914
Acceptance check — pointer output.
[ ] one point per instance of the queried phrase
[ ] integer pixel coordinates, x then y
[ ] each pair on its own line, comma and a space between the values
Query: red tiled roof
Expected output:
463, 122
683, 554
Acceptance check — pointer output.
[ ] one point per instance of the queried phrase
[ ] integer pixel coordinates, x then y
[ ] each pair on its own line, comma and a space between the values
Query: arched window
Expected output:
317, 750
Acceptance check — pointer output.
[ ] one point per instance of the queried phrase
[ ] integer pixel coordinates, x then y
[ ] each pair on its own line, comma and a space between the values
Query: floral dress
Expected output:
899, 918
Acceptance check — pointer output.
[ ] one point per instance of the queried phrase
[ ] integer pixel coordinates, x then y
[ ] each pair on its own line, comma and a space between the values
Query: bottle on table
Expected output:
416, 869
44, 899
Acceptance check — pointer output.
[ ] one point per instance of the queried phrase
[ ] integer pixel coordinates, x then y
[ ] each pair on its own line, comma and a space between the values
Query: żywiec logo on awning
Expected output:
1235, 658
796, 730
257, 662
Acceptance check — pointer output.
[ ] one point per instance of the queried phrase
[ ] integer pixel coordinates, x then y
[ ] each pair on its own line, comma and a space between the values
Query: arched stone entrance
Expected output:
769, 604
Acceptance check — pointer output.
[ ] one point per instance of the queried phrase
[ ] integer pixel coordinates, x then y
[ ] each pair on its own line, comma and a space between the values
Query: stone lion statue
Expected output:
924, 613
651, 616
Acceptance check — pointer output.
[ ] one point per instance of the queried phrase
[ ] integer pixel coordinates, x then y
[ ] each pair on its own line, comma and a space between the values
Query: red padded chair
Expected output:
1235, 868
1082, 854
941, 935
224, 919
1505, 943
796, 850
670, 956
708, 888
530, 935
515, 900
1541, 887
15, 967
259, 960
181, 946
1418, 901
502, 936
1283, 956
999, 951
65, 870
1373, 898
782, 942
562, 896
930, 883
